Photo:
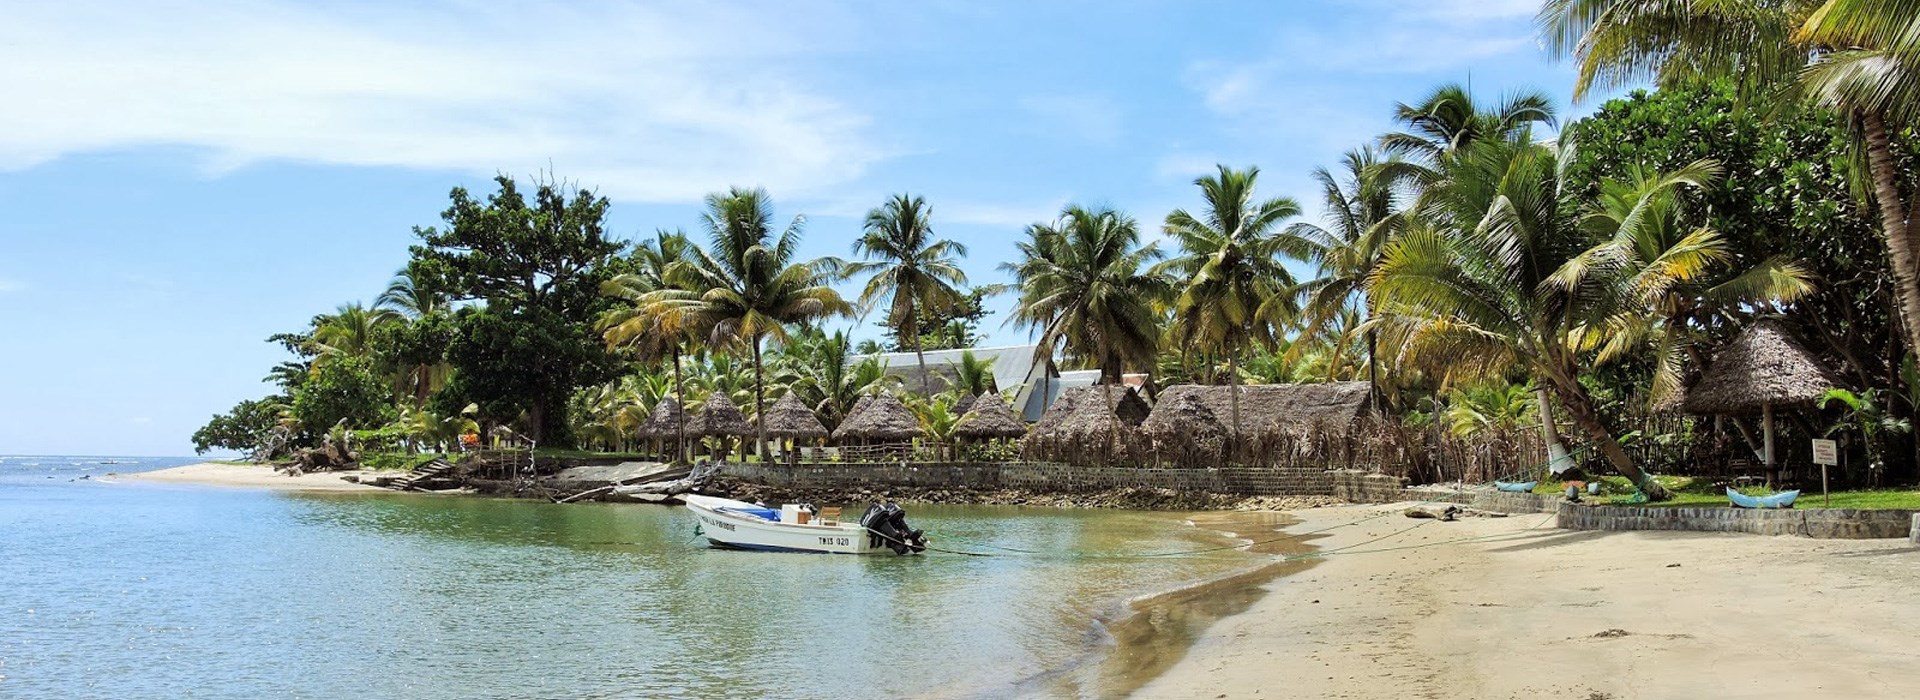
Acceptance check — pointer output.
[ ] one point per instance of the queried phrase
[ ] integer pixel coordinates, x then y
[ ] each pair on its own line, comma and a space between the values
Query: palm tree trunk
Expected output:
1233, 397
1580, 404
759, 404
1556, 450
1373, 374
1898, 231
919, 354
680, 392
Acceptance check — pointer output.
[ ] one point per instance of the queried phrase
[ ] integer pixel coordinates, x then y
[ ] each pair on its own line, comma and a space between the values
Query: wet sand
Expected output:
1514, 608
244, 476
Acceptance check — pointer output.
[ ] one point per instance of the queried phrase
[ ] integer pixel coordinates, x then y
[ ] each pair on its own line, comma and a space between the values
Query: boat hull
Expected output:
725, 528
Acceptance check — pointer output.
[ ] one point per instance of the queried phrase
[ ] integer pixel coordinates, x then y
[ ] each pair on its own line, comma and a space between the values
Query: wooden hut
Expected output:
721, 420
667, 425
1079, 429
1761, 369
885, 420
792, 422
1184, 432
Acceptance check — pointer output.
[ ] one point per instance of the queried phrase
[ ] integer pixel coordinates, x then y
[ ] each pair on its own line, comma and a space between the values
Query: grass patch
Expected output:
1693, 492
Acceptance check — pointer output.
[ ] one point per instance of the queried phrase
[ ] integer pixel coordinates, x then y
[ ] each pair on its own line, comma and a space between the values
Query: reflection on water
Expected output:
130, 591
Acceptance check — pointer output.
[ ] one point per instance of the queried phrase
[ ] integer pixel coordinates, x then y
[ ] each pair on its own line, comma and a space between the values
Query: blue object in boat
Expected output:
1784, 499
761, 513
1522, 487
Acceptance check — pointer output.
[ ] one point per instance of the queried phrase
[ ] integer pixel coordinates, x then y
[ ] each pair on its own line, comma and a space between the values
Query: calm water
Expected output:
122, 590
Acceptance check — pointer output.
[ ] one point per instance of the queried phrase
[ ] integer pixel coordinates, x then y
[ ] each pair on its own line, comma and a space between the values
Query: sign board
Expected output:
1826, 452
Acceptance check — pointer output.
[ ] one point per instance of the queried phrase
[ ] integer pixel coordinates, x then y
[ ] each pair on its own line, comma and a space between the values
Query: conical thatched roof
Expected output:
720, 417
990, 418
965, 403
1058, 411
859, 405
886, 419
1763, 365
664, 422
790, 418
1183, 415
1090, 416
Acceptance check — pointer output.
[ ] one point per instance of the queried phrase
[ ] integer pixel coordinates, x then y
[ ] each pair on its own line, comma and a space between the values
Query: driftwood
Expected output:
645, 490
1446, 513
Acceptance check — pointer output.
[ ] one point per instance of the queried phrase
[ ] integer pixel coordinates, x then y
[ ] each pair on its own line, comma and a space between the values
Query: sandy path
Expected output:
1532, 612
244, 476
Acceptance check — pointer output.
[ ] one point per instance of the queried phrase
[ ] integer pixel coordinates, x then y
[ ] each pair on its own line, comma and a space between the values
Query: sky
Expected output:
179, 180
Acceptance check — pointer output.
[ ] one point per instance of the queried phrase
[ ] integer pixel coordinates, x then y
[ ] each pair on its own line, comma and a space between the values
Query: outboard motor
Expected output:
887, 524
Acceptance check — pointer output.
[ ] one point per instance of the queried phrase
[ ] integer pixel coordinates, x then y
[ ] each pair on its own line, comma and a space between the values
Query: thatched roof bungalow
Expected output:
1280, 408
885, 419
1079, 429
790, 418
1764, 366
1183, 432
990, 418
719, 417
664, 423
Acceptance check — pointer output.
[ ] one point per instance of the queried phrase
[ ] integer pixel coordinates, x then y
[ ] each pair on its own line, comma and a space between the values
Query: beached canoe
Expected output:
1783, 499
1519, 487
731, 524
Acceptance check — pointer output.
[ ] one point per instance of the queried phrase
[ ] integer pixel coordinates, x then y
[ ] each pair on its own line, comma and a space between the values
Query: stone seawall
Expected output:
1047, 477
1817, 523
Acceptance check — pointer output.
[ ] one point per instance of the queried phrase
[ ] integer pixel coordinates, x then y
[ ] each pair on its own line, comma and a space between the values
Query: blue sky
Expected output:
181, 179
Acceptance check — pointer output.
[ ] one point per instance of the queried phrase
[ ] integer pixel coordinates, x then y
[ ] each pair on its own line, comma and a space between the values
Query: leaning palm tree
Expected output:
1474, 283
747, 287
1238, 291
913, 272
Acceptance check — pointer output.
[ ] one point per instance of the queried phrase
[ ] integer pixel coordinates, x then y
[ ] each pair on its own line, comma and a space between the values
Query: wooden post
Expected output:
1766, 440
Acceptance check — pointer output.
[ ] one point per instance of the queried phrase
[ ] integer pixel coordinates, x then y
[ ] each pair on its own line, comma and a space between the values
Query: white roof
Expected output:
1012, 365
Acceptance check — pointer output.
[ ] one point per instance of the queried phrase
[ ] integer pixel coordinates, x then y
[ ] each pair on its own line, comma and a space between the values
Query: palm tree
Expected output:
1448, 120
747, 287
1084, 287
1362, 207
912, 271
647, 326
411, 296
1873, 79
1238, 290
1474, 283
828, 377
347, 332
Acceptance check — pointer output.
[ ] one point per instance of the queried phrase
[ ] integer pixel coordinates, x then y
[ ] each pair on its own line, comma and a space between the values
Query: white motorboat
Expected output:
731, 524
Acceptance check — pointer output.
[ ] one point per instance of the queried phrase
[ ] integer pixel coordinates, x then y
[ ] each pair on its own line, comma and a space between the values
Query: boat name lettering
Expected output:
722, 524
841, 541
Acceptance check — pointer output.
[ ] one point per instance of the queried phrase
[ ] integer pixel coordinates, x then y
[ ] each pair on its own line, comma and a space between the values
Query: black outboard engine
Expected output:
887, 524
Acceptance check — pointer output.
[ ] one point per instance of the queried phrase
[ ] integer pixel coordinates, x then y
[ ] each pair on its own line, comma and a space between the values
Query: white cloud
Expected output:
657, 103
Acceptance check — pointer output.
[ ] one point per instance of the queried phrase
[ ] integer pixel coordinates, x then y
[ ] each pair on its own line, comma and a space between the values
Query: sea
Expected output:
122, 589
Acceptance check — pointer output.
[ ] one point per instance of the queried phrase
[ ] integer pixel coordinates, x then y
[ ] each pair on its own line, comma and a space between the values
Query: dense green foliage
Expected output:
241, 429
346, 392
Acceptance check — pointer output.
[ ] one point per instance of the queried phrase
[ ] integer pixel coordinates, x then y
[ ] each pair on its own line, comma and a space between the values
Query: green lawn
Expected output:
1688, 491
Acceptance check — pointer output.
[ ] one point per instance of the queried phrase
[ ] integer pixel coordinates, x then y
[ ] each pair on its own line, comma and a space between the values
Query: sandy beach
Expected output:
244, 476
1524, 610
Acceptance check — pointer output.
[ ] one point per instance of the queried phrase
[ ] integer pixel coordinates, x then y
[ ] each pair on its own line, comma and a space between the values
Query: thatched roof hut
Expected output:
790, 418
664, 422
720, 417
886, 419
859, 405
1280, 408
1057, 412
1183, 431
1763, 366
988, 419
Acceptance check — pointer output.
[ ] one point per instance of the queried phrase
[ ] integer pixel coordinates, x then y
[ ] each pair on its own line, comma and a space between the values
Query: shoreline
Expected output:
1511, 607
218, 475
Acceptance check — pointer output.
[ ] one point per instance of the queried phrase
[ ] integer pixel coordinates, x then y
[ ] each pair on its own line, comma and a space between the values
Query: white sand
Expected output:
245, 476
1522, 614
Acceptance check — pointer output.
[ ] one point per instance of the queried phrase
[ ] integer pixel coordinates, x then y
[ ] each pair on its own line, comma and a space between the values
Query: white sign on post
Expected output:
1826, 452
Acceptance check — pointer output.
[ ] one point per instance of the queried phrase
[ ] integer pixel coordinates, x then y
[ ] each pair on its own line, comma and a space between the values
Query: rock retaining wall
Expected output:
1818, 523
1048, 477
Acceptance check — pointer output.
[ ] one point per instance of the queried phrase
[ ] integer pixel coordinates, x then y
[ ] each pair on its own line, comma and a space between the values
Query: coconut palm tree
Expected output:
647, 326
411, 296
1084, 286
913, 272
1238, 290
1474, 284
1448, 120
1362, 207
347, 332
827, 376
747, 287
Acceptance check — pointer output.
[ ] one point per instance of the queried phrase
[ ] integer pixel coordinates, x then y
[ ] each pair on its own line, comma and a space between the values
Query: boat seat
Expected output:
830, 517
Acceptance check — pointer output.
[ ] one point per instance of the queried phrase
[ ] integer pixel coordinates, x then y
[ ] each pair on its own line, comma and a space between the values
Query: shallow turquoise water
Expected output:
121, 590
